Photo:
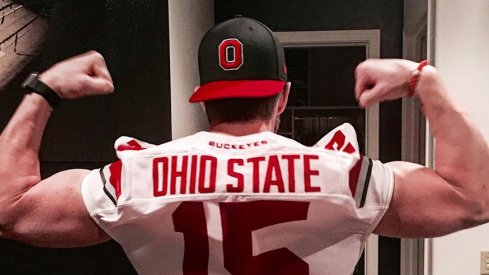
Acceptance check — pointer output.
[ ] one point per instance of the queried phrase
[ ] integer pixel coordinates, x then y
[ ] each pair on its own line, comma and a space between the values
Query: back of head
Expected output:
242, 71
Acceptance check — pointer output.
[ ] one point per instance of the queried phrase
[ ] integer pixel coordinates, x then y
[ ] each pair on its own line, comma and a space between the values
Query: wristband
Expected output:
34, 85
413, 81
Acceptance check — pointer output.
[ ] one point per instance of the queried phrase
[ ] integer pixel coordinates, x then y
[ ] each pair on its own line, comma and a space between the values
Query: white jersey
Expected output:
258, 204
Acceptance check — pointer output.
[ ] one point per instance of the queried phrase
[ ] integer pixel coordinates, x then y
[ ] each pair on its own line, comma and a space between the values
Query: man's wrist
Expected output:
50, 80
415, 76
34, 84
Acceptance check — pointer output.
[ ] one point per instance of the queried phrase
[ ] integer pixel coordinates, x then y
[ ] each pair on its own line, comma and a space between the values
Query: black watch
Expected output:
33, 84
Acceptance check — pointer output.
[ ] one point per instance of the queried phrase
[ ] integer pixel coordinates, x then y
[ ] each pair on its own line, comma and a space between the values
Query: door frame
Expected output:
370, 39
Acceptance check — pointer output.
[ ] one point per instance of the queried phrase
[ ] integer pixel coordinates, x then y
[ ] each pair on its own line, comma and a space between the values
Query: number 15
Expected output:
238, 220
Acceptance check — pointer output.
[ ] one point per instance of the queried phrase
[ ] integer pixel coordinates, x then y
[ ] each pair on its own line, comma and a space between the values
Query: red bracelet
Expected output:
413, 81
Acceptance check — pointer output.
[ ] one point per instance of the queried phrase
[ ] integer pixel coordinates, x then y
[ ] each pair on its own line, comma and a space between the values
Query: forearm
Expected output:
21, 138
48, 213
19, 162
461, 153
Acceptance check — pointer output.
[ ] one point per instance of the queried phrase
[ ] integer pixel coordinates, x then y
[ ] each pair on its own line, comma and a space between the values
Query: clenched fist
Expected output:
79, 76
382, 79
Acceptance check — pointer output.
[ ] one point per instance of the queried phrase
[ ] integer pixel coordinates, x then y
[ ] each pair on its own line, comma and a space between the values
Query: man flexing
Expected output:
240, 199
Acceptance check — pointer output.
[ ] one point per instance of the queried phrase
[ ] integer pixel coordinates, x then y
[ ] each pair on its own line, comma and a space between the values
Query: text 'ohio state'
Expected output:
173, 175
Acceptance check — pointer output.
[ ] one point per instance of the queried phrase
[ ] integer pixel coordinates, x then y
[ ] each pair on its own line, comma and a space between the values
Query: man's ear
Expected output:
284, 97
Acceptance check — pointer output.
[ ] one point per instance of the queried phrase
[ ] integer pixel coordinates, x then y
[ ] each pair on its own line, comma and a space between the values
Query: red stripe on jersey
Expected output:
354, 174
132, 145
115, 177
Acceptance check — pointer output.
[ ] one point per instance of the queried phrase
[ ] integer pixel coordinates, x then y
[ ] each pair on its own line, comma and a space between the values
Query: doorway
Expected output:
321, 96
321, 67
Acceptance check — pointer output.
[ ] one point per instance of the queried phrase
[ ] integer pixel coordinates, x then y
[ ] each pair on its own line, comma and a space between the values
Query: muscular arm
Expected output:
453, 196
47, 212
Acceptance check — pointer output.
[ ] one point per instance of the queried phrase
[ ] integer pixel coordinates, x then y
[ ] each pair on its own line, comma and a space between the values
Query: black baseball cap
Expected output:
240, 58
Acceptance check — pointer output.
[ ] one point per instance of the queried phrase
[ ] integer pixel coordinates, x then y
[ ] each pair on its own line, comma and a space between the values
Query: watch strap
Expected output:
33, 84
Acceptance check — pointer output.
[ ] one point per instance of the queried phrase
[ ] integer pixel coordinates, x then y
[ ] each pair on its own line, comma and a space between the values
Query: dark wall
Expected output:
317, 15
133, 37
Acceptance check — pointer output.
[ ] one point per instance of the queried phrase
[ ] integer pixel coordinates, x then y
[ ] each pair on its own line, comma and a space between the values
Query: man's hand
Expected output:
79, 76
379, 80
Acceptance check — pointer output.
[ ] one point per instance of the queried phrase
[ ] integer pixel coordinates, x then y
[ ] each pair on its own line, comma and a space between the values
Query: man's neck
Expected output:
241, 129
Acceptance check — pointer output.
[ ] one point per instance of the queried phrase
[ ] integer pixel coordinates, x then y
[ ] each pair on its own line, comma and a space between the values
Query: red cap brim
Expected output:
237, 88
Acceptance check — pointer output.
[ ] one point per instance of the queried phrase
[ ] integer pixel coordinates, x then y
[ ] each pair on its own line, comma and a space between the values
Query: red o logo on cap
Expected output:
231, 54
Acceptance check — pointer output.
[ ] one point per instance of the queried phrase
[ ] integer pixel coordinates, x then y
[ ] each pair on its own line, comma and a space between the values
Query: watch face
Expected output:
29, 80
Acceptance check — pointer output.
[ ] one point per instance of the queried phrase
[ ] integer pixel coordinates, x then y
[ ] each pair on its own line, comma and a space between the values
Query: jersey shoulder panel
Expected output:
127, 146
341, 139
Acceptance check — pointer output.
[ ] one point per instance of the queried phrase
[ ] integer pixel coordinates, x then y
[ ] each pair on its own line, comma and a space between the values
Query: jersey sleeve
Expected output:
105, 188
372, 185
101, 188
370, 182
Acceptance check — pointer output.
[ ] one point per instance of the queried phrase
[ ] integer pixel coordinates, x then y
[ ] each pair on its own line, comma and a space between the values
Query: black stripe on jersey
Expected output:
104, 181
367, 182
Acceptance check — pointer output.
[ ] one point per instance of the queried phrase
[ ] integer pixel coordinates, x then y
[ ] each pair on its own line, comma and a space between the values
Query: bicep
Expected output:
52, 214
423, 204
